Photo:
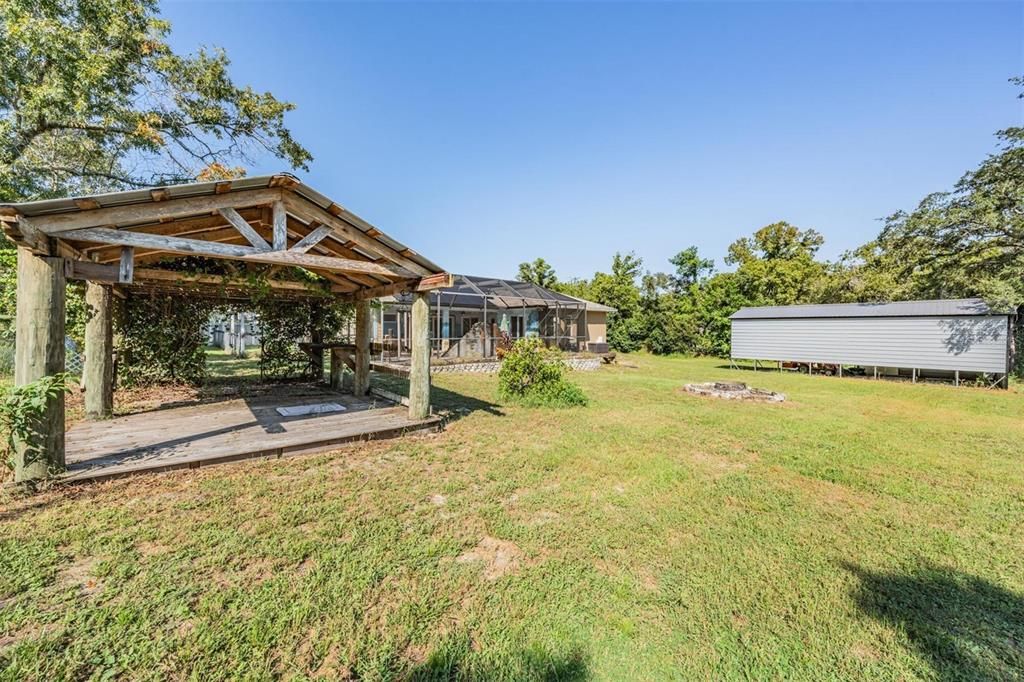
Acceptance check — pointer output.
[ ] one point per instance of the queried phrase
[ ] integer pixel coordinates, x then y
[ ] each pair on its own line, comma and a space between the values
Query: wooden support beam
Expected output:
39, 352
98, 370
419, 367
127, 265
364, 334
439, 281
246, 230
346, 265
312, 239
23, 233
153, 212
280, 218
198, 247
346, 225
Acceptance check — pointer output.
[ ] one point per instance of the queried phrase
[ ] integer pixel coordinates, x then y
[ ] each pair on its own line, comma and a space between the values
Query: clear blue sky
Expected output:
487, 134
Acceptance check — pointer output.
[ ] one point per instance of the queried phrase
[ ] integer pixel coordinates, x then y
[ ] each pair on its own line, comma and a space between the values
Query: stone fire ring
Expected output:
734, 390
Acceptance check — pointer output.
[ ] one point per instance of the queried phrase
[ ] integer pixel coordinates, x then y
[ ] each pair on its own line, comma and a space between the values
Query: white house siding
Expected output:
966, 343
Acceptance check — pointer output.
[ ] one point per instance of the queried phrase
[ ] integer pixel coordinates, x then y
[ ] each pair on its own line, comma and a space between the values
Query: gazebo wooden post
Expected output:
419, 368
364, 333
39, 352
98, 371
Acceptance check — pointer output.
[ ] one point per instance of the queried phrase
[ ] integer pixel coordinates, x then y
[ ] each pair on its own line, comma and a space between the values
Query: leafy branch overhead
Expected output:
92, 97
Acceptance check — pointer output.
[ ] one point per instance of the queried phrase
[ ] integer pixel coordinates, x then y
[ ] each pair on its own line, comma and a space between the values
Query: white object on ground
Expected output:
316, 408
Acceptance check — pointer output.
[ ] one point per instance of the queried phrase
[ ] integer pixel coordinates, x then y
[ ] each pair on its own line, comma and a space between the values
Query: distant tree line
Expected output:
961, 243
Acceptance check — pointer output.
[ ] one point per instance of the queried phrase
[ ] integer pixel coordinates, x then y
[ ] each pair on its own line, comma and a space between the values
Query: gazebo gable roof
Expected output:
273, 219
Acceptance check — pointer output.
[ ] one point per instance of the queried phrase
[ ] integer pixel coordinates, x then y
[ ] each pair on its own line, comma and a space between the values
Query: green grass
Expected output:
222, 366
861, 530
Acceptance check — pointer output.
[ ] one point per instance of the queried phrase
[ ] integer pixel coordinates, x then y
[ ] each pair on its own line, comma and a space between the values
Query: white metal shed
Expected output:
927, 338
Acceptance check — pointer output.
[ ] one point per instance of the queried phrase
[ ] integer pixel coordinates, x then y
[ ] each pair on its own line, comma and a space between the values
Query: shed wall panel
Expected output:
968, 343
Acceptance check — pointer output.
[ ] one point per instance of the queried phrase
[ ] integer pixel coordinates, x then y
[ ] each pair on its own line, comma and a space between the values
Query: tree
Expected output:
777, 265
93, 98
690, 269
538, 272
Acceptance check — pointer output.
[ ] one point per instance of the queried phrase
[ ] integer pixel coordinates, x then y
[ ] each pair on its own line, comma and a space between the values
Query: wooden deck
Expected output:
200, 435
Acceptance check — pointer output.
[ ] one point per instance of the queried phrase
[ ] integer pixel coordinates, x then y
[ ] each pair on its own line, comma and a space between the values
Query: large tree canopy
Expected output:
93, 98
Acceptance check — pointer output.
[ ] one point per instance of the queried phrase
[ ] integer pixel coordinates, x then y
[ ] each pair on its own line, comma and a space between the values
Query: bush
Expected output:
532, 375
20, 410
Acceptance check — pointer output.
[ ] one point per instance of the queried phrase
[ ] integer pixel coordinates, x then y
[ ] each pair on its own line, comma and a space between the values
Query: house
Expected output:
942, 339
476, 315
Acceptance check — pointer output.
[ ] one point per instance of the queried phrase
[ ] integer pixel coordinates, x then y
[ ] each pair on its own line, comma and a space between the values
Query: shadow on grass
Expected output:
458, 662
966, 627
457, 405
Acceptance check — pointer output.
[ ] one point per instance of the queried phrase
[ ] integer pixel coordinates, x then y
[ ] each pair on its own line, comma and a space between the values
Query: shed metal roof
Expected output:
935, 308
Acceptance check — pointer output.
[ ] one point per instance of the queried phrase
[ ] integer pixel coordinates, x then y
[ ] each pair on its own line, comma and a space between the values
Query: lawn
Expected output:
861, 530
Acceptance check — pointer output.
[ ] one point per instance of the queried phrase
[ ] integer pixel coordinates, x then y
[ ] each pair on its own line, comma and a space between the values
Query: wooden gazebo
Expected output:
111, 241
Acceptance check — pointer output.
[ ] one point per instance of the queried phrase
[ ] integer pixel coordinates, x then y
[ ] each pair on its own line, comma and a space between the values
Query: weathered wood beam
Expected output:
312, 239
364, 336
152, 212
419, 366
439, 281
344, 225
103, 235
247, 231
98, 369
21, 231
346, 265
109, 273
280, 226
39, 352
127, 265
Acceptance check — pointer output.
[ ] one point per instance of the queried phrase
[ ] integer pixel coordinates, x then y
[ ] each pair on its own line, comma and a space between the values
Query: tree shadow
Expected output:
966, 627
963, 333
459, 663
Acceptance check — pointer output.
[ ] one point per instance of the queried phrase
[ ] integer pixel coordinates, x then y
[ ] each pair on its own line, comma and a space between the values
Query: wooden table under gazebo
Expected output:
112, 241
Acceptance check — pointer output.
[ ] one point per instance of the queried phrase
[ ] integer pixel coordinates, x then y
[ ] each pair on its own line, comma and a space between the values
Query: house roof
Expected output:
934, 308
469, 291
596, 307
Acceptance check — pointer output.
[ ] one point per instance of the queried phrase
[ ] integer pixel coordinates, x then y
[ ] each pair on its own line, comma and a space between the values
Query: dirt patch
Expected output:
79, 575
716, 465
863, 652
151, 548
438, 499
499, 557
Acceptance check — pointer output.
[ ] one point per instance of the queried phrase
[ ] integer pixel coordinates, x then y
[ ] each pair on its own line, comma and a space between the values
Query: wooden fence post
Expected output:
39, 352
419, 368
98, 371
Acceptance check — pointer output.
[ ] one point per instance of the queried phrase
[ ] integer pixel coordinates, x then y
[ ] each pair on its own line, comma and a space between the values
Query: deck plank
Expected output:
228, 430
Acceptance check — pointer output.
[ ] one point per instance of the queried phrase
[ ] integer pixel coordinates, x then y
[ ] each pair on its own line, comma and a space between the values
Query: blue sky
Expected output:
485, 134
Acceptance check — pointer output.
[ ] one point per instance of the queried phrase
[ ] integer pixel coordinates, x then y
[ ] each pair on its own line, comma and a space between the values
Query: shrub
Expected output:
21, 408
532, 375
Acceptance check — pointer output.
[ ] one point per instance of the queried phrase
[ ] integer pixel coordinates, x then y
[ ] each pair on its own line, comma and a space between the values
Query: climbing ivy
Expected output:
283, 324
162, 339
